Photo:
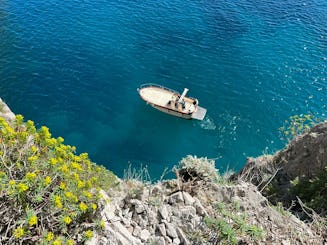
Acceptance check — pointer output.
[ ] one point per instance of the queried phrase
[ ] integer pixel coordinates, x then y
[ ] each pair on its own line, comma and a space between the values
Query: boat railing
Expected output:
157, 85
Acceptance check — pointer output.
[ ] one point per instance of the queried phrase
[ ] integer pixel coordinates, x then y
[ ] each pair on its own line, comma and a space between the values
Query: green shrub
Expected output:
47, 193
297, 125
313, 192
194, 168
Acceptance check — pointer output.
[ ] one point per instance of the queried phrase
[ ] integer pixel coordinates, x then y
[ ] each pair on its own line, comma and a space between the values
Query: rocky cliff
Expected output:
207, 213
201, 206
303, 162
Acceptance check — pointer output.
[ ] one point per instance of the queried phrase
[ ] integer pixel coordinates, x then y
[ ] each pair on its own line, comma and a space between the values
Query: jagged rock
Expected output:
5, 112
152, 216
159, 241
182, 237
168, 240
137, 231
139, 205
187, 212
143, 222
125, 211
163, 211
176, 198
161, 229
190, 226
126, 222
188, 199
144, 235
171, 231
199, 208
286, 242
176, 241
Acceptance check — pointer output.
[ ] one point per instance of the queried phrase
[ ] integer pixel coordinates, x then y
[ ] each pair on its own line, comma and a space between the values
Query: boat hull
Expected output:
172, 112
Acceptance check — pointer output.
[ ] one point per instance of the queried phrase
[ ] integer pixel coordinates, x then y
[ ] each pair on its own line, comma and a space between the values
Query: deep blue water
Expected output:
75, 67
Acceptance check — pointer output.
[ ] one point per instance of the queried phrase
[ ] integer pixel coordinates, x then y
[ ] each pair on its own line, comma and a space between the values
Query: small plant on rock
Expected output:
228, 223
194, 168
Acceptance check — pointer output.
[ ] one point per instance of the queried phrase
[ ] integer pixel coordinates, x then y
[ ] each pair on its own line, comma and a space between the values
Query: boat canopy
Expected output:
183, 95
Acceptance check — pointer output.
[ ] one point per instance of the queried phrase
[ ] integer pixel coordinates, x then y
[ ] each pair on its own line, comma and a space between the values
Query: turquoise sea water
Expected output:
75, 67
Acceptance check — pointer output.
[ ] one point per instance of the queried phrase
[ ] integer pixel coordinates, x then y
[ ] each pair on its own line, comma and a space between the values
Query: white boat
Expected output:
171, 102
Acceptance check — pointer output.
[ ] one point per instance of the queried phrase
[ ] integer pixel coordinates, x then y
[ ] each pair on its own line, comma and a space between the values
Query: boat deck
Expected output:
156, 95
165, 98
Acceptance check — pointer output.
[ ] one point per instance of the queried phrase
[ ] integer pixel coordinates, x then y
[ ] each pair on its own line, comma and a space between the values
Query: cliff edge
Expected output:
199, 206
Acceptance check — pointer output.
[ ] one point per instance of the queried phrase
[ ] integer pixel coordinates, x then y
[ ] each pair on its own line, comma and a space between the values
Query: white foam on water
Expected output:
208, 124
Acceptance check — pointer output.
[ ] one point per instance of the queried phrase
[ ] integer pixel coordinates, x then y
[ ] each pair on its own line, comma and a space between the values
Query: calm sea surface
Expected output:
75, 67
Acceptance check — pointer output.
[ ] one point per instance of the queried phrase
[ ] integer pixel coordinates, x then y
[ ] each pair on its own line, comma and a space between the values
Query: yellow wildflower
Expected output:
62, 186
70, 242
83, 207
67, 220
60, 140
77, 166
34, 149
44, 131
18, 232
30, 126
57, 242
47, 180
22, 135
84, 156
32, 158
71, 196
22, 187
87, 194
77, 158
53, 161
9, 130
58, 201
32, 220
64, 169
68, 194
30, 176
51, 142
102, 224
80, 184
76, 176
49, 236
94, 206
88, 234
19, 119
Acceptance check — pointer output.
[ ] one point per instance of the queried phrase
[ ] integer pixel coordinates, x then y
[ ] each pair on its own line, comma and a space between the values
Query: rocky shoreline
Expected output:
202, 207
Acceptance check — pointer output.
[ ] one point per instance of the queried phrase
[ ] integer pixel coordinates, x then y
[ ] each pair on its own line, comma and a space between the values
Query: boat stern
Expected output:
199, 113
